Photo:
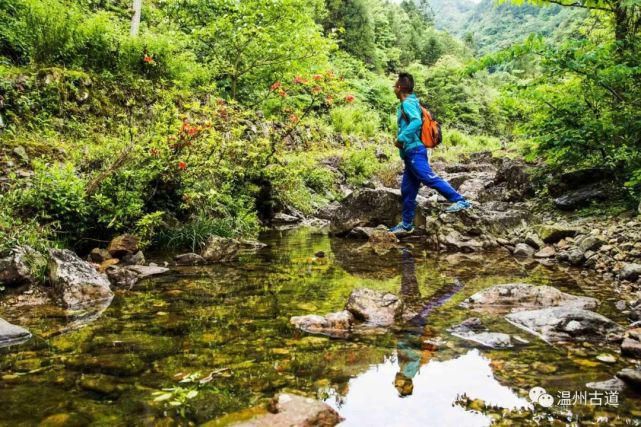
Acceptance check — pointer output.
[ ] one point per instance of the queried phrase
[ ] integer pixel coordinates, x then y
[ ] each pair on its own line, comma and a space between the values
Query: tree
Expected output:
626, 14
135, 19
251, 43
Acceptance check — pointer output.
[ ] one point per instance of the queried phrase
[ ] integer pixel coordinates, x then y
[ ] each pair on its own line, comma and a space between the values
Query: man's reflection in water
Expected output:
410, 351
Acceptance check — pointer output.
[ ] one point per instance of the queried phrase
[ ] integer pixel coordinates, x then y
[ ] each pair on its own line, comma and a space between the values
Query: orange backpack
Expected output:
431, 135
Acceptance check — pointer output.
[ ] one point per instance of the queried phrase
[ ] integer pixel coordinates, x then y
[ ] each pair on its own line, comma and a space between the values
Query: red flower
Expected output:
148, 59
316, 90
282, 93
182, 165
299, 80
329, 99
275, 86
293, 118
349, 99
317, 77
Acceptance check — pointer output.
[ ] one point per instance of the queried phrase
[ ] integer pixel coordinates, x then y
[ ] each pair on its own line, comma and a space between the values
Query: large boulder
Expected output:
565, 324
582, 196
334, 324
125, 244
631, 376
11, 334
289, 410
76, 283
19, 266
515, 177
367, 207
128, 276
522, 296
373, 307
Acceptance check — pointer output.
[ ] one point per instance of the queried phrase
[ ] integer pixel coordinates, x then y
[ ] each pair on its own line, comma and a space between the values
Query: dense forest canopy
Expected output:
218, 111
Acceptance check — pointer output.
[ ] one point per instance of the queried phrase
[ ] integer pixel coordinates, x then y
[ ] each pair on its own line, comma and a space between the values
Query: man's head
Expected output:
404, 85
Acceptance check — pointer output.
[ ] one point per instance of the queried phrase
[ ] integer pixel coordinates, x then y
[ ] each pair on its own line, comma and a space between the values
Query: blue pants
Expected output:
417, 171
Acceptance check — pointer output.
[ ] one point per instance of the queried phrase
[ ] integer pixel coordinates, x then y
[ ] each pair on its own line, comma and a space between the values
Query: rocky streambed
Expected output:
416, 336
332, 319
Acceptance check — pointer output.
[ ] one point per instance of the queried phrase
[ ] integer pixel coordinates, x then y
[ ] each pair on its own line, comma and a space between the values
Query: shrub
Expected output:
356, 120
359, 165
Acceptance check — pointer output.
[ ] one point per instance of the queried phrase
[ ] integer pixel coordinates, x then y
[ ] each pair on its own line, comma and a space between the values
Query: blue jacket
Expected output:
409, 133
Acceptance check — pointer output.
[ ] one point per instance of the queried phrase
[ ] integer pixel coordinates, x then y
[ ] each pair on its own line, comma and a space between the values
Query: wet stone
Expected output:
377, 308
11, 334
522, 296
189, 259
565, 324
120, 365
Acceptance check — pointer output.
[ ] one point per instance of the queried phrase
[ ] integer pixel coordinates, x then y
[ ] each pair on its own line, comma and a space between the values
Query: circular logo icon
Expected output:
537, 392
546, 400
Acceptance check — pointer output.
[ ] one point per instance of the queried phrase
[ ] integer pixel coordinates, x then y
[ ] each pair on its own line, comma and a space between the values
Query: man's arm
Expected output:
414, 115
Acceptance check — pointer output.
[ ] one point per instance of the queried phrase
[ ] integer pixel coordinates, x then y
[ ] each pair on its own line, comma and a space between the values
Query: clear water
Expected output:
205, 342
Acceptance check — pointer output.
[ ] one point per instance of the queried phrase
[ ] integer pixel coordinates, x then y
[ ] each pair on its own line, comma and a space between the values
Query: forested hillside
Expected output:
205, 120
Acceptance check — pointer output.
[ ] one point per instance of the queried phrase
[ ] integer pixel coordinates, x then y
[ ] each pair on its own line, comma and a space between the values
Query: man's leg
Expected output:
421, 168
409, 191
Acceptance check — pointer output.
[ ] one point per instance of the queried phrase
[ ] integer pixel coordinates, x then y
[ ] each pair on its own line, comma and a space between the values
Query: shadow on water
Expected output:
208, 341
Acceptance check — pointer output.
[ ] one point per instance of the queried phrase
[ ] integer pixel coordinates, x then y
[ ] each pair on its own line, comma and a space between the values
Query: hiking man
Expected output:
414, 154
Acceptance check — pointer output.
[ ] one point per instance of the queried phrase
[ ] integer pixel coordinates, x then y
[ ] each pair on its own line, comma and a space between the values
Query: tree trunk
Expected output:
135, 20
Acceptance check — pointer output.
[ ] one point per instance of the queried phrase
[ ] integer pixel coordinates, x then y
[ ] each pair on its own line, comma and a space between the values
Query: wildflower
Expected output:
329, 99
316, 90
317, 77
293, 118
182, 165
282, 93
148, 59
275, 86
299, 80
349, 99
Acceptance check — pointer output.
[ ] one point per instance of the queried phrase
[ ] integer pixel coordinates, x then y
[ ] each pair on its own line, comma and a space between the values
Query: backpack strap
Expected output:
403, 114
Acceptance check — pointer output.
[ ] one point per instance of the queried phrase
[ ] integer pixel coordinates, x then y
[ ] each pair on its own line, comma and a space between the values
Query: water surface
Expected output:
204, 342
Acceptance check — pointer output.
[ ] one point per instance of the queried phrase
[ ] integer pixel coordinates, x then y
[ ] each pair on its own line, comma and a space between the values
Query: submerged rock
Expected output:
614, 384
522, 296
565, 323
125, 244
377, 308
19, 266
189, 259
473, 330
120, 365
333, 324
11, 334
222, 249
130, 275
76, 283
290, 410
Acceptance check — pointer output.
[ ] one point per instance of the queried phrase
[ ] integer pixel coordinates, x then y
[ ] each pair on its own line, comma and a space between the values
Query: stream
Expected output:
202, 343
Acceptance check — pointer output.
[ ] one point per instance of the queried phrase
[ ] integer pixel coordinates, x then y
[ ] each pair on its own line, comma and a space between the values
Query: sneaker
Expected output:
458, 206
402, 229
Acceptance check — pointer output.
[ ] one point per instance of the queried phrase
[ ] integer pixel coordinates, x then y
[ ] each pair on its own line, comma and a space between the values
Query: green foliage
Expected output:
359, 165
356, 120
